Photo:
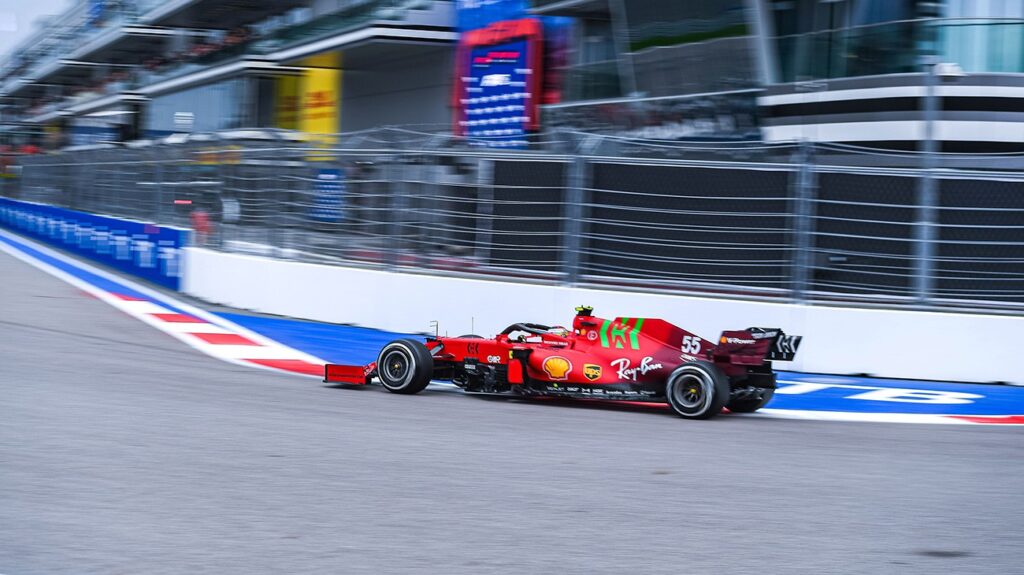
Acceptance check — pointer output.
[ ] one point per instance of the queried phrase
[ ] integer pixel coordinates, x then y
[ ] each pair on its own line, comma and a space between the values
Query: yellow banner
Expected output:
320, 97
286, 102
311, 102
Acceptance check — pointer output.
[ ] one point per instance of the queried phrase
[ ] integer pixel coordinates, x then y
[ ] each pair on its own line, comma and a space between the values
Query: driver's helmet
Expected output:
559, 331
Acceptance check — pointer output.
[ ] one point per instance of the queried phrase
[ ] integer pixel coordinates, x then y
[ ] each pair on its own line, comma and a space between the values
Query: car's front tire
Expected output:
405, 366
697, 390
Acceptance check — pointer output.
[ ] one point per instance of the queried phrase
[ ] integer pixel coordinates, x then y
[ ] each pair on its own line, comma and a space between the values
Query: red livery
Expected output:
634, 359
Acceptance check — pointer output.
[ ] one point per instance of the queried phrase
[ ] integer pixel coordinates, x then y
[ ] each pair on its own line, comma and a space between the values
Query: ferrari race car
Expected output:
624, 359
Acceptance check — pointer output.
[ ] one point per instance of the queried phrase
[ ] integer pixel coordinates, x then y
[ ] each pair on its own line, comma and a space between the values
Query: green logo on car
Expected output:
618, 333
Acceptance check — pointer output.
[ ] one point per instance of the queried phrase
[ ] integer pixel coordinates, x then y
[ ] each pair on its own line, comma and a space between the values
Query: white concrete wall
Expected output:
887, 343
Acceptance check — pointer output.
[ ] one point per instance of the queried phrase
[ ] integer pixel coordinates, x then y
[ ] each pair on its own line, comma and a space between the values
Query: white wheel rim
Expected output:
397, 367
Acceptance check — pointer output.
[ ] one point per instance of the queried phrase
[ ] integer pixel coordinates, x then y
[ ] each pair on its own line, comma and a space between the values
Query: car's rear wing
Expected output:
754, 345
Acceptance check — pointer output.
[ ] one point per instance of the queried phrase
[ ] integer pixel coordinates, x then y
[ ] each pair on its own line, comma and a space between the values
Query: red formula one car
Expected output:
631, 359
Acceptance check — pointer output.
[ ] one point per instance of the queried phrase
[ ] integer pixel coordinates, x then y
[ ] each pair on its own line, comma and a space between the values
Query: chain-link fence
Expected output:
785, 222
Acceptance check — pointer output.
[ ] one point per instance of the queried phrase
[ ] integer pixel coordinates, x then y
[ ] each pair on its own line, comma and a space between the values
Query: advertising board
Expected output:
144, 250
329, 196
499, 83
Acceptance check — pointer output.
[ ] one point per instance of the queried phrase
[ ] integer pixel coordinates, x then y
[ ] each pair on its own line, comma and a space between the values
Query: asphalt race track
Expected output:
124, 451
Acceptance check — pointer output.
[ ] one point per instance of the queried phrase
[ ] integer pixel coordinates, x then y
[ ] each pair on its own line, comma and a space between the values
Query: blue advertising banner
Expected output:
475, 14
498, 92
499, 81
87, 135
141, 249
329, 196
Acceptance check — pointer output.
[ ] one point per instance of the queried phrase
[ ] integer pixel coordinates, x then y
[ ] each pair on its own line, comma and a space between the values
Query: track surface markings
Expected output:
197, 328
296, 347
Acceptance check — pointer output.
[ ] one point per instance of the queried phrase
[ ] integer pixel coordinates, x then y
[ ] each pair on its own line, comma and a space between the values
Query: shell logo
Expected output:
557, 367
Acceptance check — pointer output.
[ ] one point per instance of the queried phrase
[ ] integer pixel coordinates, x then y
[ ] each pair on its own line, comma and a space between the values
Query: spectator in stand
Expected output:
239, 35
196, 51
201, 224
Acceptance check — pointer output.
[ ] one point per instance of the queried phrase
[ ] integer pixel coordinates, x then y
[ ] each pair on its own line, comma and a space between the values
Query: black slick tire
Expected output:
697, 390
405, 366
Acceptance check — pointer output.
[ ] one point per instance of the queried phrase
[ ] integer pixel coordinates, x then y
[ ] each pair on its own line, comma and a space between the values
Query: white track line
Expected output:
267, 349
859, 417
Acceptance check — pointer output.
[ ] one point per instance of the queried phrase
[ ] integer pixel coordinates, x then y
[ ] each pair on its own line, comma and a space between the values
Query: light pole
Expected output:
926, 192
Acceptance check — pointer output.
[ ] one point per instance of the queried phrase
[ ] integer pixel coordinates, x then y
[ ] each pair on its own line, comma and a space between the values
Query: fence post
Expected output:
485, 210
575, 184
278, 204
158, 184
396, 200
803, 224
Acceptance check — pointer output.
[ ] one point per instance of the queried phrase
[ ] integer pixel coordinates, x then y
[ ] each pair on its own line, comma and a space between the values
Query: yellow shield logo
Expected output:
591, 372
557, 367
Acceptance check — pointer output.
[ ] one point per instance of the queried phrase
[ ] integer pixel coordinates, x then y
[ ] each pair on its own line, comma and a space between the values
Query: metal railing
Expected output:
780, 222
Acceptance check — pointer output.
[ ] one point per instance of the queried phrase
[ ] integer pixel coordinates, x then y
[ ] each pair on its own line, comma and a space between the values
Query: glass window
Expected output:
983, 46
984, 35
878, 11
212, 107
594, 72
817, 39
985, 8
690, 47
787, 17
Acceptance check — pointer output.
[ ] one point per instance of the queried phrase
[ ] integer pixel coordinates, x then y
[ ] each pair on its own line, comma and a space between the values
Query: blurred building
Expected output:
818, 70
115, 70
847, 71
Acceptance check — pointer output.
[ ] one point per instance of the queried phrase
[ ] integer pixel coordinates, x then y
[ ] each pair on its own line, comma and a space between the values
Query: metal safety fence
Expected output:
782, 222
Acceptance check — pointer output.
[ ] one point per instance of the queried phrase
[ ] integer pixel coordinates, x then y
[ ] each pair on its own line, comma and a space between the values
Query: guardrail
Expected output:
778, 222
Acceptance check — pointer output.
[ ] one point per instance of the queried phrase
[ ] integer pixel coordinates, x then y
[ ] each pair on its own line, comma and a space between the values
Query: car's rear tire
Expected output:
697, 390
405, 366
751, 403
